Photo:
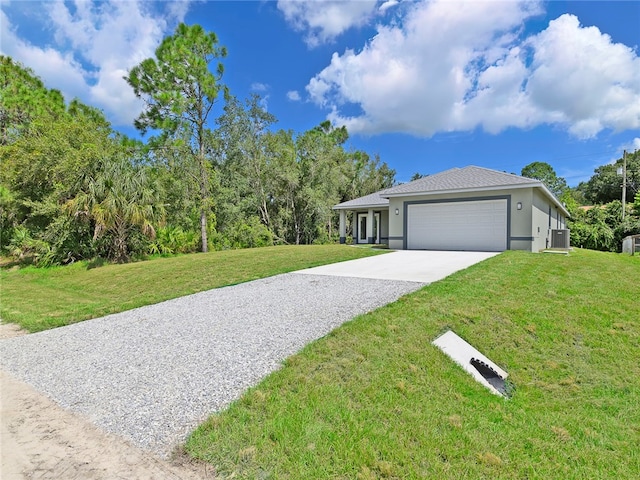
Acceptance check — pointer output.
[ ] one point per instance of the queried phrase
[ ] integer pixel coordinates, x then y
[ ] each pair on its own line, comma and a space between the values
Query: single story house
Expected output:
470, 208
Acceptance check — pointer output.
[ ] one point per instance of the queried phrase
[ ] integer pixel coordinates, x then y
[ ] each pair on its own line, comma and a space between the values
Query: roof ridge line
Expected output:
492, 170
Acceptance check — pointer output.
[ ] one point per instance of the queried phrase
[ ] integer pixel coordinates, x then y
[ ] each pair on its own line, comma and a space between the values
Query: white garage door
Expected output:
477, 225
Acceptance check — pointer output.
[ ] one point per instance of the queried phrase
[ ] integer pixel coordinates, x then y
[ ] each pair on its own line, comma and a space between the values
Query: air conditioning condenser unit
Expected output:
560, 238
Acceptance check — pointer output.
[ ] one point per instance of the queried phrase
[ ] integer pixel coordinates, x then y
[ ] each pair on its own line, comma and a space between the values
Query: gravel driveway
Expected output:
154, 373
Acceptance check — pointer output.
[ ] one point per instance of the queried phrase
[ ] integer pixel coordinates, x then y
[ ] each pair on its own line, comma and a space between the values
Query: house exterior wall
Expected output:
396, 222
546, 217
384, 226
541, 222
521, 236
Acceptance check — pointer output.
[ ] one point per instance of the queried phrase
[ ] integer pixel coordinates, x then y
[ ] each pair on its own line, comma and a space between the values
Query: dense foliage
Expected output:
73, 188
601, 225
606, 184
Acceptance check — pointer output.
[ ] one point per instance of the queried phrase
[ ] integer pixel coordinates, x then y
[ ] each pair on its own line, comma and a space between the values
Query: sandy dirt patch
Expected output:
9, 330
40, 440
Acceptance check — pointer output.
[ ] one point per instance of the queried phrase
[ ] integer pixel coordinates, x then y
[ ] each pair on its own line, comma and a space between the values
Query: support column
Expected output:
343, 226
370, 220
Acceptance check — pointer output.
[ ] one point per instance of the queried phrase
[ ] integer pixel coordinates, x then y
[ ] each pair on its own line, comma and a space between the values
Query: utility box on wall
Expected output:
560, 238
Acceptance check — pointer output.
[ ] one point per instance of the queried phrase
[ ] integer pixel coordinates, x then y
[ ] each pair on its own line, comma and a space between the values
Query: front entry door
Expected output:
362, 228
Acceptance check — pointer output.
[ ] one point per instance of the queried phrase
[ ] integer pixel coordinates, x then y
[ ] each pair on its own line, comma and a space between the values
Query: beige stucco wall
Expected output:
542, 223
384, 225
522, 221
395, 224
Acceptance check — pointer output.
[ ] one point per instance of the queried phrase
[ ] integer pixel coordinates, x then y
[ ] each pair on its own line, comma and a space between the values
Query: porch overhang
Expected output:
373, 200
361, 207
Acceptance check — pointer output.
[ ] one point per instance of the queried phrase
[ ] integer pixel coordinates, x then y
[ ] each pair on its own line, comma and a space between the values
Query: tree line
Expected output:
213, 173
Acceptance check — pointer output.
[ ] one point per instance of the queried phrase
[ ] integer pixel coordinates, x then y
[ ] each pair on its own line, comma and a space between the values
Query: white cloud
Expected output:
581, 75
411, 78
259, 87
177, 9
95, 46
294, 96
324, 20
630, 146
388, 4
60, 70
447, 68
264, 103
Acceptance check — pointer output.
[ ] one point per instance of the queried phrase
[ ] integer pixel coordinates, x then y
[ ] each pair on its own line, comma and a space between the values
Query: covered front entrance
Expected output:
361, 235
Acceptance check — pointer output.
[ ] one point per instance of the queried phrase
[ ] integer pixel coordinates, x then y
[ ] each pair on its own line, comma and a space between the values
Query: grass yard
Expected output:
374, 399
42, 298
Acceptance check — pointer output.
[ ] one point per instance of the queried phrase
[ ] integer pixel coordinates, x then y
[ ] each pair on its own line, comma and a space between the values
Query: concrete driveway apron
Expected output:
405, 265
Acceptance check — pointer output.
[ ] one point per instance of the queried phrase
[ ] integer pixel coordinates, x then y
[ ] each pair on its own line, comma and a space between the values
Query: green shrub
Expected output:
26, 249
249, 234
602, 227
171, 240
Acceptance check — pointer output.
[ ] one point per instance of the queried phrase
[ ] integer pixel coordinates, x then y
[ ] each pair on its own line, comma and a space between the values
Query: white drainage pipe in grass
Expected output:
479, 366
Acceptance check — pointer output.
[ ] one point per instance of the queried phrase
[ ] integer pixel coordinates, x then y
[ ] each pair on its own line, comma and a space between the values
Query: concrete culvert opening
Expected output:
490, 375
481, 368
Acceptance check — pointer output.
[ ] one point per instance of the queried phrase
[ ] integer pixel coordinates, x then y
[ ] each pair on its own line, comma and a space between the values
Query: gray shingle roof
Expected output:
467, 178
372, 200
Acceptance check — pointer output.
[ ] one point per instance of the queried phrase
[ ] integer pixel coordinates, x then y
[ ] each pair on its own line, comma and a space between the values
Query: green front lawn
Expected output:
42, 298
374, 399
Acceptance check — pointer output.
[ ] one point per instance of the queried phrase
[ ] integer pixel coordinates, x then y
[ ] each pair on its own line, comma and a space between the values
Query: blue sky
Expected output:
427, 85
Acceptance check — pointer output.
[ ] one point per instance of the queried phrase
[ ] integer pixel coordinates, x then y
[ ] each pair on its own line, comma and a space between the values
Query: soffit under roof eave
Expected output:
383, 206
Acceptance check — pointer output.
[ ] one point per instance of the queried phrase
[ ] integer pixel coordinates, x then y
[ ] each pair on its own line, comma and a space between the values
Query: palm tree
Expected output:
119, 199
